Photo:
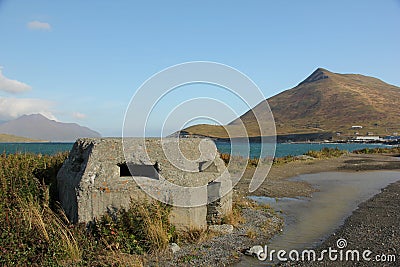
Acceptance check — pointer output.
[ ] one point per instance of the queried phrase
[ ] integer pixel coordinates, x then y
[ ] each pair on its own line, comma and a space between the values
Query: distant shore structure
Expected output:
356, 127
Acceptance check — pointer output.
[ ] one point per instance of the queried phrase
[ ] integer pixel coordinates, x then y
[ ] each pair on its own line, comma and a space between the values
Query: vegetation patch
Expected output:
35, 231
326, 153
194, 236
235, 217
30, 231
378, 150
144, 227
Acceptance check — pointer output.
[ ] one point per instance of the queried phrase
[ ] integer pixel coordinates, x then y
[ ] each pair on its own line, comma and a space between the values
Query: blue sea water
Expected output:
224, 147
285, 149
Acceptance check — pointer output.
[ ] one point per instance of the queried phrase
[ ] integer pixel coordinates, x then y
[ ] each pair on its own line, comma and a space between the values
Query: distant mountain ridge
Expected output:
326, 102
37, 126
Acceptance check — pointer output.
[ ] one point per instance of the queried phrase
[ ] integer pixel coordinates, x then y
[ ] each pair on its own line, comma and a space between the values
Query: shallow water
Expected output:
308, 221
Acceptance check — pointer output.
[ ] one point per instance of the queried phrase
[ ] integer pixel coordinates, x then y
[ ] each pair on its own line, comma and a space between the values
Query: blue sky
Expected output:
81, 61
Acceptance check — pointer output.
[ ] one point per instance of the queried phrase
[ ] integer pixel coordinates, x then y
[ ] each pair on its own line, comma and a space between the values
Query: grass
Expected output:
284, 160
144, 227
251, 233
195, 235
239, 203
234, 217
31, 232
35, 231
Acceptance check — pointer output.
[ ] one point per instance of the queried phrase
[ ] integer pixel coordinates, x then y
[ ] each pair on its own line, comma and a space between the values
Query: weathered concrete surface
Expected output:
96, 178
218, 208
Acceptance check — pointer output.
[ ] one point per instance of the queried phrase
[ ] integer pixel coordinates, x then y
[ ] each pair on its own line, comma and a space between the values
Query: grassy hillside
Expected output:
7, 138
336, 103
325, 102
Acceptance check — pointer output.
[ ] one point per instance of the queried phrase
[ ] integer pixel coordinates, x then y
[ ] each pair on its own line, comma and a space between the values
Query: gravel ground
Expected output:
374, 226
226, 249
376, 222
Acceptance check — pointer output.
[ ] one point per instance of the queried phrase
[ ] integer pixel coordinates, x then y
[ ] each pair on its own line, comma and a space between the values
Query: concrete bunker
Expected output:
98, 177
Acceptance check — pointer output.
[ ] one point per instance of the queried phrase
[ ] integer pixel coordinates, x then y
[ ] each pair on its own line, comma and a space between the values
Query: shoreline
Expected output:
261, 222
373, 226
279, 184
228, 249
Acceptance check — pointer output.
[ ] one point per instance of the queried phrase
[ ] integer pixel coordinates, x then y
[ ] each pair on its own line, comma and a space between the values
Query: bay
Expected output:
285, 149
241, 149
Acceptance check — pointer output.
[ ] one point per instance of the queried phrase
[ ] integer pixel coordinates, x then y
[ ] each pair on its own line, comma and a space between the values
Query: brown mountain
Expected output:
36, 126
327, 102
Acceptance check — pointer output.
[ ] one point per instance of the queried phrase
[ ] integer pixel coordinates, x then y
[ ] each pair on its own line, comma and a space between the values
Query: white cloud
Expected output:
78, 115
12, 86
11, 108
38, 25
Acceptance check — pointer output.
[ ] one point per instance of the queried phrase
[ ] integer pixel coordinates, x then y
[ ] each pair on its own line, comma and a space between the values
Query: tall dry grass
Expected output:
153, 223
31, 232
35, 231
